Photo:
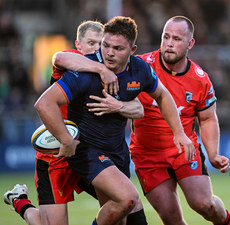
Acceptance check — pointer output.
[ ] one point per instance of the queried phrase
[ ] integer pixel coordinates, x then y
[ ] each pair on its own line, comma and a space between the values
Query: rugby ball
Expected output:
43, 141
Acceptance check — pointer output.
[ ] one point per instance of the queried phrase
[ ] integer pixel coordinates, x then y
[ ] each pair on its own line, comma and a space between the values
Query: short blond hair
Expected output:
86, 25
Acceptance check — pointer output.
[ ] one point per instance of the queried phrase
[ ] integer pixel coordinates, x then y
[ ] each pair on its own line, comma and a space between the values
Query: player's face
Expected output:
89, 43
176, 41
116, 51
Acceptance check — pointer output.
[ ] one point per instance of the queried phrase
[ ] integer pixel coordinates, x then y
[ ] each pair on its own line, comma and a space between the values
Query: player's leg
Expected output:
199, 195
121, 193
54, 214
17, 197
165, 200
55, 183
137, 215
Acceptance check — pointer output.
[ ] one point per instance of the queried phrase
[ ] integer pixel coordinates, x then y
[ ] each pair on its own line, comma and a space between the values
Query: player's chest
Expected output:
129, 88
186, 93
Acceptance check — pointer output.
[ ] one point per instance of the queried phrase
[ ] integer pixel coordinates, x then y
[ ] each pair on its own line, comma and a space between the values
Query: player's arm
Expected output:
47, 107
210, 136
132, 109
77, 62
168, 110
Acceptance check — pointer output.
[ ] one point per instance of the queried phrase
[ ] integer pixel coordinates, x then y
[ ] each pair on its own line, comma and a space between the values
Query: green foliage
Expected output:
84, 209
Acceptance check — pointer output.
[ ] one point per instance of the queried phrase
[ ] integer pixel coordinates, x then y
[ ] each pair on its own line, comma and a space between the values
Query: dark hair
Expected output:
187, 20
86, 25
124, 26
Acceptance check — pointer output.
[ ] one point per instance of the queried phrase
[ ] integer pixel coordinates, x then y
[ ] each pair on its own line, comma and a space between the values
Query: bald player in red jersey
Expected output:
158, 164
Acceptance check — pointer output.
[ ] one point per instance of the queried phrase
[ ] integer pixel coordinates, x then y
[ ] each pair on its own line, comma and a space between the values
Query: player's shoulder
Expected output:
150, 57
72, 51
138, 63
97, 56
197, 72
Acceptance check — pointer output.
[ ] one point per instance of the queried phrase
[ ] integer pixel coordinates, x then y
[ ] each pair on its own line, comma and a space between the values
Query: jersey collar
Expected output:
172, 72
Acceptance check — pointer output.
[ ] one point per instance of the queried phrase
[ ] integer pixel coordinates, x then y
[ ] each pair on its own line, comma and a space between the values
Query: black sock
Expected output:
137, 218
24, 208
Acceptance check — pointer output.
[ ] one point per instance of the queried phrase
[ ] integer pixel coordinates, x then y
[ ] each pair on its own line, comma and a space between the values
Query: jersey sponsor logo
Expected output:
154, 103
149, 59
103, 158
188, 96
179, 109
133, 86
194, 165
199, 72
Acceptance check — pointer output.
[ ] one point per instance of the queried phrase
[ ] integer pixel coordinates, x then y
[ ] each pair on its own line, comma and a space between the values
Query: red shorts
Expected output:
54, 179
154, 167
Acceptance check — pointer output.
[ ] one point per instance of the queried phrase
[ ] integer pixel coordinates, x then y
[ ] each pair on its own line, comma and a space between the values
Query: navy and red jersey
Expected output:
56, 75
192, 92
106, 132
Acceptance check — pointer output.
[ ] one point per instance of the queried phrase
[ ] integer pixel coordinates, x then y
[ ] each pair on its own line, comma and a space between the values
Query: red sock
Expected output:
20, 206
227, 221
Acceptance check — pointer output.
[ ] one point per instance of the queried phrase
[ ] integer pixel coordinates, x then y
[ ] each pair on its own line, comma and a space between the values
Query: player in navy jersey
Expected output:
89, 34
99, 154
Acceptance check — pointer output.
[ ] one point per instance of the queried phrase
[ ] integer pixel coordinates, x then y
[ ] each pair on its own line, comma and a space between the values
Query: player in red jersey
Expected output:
157, 162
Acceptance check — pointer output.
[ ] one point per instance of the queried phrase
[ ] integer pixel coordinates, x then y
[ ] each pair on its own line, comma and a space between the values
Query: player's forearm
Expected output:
76, 62
132, 109
51, 116
210, 136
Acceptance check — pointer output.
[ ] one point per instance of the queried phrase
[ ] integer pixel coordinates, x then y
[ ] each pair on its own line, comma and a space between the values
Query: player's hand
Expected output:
67, 150
110, 81
109, 104
220, 162
183, 140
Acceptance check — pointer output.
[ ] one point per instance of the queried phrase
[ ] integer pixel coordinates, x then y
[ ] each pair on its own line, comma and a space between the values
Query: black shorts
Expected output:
89, 161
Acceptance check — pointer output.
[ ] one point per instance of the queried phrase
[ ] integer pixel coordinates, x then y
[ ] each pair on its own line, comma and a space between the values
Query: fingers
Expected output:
225, 169
96, 98
58, 155
178, 147
112, 88
106, 87
105, 93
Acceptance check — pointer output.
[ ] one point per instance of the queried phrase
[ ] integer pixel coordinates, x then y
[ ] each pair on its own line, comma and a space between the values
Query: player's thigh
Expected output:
115, 185
164, 197
196, 188
54, 214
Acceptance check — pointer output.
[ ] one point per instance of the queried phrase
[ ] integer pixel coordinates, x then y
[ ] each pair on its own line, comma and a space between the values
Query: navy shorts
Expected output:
89, 161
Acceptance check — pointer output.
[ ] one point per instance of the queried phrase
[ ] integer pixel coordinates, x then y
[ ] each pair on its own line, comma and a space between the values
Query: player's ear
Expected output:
77, 45
133, 49
191, 43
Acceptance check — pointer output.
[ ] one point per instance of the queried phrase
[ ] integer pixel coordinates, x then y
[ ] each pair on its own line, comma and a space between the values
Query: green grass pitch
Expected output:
83, 210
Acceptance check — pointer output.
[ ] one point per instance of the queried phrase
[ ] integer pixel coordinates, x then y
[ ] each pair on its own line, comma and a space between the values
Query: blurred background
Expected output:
31, 31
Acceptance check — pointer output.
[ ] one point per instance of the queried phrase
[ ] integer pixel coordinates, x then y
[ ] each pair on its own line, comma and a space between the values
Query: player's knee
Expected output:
130, 200
202, 205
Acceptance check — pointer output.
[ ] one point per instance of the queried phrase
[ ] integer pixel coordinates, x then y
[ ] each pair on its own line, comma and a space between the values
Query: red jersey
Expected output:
192, 92
57, 75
